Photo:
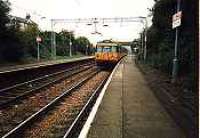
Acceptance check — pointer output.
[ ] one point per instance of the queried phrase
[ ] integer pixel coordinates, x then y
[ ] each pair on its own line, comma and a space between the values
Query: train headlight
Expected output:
97, 55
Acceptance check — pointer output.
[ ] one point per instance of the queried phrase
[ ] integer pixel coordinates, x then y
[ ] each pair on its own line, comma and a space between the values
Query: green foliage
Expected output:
4, 10
11, 49
28, 38
10, 46
161, 37
17, 43
81, 44
45, 45
63, 40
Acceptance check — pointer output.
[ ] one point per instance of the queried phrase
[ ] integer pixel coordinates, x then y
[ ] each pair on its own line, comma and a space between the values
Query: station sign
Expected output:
38, 39
176, 19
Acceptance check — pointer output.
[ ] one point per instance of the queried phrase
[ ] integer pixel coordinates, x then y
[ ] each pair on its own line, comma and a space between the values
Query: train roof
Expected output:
112, 43
107, 44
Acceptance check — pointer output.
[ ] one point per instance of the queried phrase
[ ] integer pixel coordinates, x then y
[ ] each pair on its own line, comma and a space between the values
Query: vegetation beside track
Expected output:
161, 40
160, 53
18, 45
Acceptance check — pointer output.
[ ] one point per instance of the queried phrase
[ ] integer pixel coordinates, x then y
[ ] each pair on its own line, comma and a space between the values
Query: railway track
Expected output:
22, 74
21, 109
60, 116
18, 91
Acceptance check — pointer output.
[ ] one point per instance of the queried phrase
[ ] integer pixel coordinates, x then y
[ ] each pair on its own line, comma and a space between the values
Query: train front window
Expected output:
114, 49
107, 49
99, 49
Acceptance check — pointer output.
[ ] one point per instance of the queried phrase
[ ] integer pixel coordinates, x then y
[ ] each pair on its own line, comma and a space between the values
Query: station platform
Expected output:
129, 109
12, 68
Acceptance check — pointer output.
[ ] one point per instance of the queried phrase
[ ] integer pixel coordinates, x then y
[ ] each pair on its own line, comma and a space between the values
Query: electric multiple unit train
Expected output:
109, 53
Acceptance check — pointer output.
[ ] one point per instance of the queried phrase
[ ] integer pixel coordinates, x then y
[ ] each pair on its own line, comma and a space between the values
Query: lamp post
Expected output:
38, 39
53, 40
142, 43
144, 38
70, 43
175, 60
86, 50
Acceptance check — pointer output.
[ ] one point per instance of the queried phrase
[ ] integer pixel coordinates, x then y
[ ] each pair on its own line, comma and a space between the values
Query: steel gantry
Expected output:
95, 21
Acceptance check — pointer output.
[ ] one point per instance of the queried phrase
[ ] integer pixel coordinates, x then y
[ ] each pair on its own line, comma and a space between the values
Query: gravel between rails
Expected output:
12, 116
55, 123
10, 94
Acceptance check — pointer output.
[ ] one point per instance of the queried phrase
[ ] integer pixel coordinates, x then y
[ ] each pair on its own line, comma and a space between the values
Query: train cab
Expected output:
107, 53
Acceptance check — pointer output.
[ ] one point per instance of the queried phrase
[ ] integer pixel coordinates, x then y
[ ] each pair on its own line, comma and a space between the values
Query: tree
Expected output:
28, 40
160, 43
16, 43
4, 10
45, 45
161, 36
11, 48
82, 43
63, 40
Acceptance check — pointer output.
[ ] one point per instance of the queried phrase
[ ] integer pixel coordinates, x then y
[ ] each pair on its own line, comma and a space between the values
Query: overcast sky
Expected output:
86, 8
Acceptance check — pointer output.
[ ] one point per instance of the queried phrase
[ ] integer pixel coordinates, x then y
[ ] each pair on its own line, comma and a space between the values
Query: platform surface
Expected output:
129, 109
12, 68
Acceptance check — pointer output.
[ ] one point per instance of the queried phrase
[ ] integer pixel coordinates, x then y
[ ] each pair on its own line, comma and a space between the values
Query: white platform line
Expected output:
87, 125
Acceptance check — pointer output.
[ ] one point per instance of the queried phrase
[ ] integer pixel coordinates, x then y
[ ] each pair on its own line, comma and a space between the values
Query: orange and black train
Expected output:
108, 53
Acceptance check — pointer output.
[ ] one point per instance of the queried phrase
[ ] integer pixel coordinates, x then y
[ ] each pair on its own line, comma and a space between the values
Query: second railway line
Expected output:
65, 106
20, 90
15, 109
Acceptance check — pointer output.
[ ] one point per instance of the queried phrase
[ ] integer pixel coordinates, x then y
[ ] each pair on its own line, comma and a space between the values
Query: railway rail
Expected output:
11, 116
16, 68
22, 74
73, 103
18, 91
